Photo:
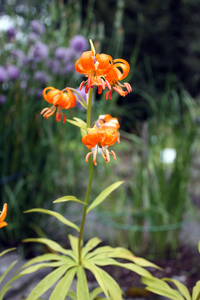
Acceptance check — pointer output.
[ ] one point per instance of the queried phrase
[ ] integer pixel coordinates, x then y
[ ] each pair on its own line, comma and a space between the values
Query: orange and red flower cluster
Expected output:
103, 71
3, 216
101, 136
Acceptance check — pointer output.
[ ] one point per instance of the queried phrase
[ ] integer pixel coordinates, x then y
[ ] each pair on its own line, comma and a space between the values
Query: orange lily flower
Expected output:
118, 72
3, 216
60, 99
107, 121
100, 138
95, 67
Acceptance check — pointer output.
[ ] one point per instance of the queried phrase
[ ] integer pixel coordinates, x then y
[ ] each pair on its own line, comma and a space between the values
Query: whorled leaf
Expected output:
97, 274
6, 251
130, 266
46, 257
54, 214
196, 291
47, 282
77, 123
7, 270
74, 244
53, 246
61, 290
181, 287
157, 286
82, 285
37, 267
95, 293
92, 243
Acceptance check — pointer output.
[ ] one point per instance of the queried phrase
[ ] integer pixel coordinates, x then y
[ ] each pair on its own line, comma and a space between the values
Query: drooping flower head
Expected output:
3, 216
107, 121
95, 67
64, 99
100, 138
118, 72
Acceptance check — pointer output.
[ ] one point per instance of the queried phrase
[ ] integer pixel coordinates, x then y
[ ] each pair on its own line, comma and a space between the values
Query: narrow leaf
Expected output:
62, 288
72, 295
75, 123
109, 261
74, 244
6, 251
82, 285
100, 250
92, 243
199, 247
37, 267
126, 254
47, 282
47, 257
7, 270
52, 245
112, 286
102, 196
95, 293
54, 214
181, 287
196, 291
97, 274
160, 287
68, 198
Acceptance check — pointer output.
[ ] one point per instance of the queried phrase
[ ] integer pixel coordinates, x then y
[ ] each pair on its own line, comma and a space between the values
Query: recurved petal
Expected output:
3, 213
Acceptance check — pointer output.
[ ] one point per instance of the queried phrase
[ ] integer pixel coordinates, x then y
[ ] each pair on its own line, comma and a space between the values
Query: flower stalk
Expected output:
89, 181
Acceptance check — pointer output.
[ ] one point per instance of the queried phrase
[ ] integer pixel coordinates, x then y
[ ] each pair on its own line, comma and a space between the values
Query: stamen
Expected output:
108, 84
100, 89
95, 156
128, 87
103, 84
107, 156
88, 155
81, 85
113, 154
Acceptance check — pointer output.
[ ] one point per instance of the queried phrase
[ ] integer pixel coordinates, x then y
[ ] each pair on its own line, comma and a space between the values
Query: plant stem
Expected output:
89, 181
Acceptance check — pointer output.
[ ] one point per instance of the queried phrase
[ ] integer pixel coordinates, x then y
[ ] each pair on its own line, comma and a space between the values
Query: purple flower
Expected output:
11, 33
13, 72
79, 43
2, 99
54, 66
41, 77
39, 93
37, 27
39, 51
69, 68
65, 54
3, 74
33, 37
19, 55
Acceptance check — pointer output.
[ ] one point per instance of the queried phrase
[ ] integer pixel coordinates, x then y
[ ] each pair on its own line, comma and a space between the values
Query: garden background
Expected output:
158, 156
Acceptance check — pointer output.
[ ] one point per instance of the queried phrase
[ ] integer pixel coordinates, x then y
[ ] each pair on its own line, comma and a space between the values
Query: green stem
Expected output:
89, 181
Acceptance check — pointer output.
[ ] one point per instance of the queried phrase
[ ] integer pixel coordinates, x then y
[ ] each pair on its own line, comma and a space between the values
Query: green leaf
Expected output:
95, 293
72, 295
74, 244
196, 291
52, 245
62, 288
3, 291
160, 287
82, 285
102, 196
181, 287
199, 247
6, 272
112, 286
68, 198
92, 243
109, 261
126, 254
99, 251
47, 282
6, 251
35, 268
47, 257
97, 274
54, 214
75, 123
